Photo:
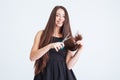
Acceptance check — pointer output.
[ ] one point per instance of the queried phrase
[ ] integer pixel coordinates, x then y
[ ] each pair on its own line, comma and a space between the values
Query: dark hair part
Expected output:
46, 39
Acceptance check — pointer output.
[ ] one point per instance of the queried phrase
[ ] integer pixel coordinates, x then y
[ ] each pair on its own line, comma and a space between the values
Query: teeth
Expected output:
59, 22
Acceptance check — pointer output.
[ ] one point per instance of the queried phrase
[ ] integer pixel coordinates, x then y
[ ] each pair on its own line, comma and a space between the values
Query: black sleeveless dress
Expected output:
56, 68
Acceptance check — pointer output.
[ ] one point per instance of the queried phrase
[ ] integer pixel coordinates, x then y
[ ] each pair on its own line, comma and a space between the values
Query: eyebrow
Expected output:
59, 14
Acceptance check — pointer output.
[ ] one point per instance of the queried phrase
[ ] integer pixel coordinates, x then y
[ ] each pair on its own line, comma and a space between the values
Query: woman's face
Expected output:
60, 17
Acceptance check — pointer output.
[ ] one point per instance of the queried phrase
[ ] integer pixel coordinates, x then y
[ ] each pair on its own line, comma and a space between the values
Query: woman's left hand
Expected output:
79, 42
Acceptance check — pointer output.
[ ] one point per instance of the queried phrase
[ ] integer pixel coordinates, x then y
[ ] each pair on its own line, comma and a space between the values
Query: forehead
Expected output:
60, 11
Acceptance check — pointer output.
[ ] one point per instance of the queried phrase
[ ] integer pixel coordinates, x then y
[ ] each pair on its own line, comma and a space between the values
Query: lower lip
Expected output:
59, 22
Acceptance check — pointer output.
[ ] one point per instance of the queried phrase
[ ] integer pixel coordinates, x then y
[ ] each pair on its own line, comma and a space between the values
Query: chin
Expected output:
59, 25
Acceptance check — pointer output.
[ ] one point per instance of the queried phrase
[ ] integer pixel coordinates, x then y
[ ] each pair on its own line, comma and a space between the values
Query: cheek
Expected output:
57, 18
63, 19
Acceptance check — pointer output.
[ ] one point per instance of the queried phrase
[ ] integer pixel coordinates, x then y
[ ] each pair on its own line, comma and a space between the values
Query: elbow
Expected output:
69, 66
31, 58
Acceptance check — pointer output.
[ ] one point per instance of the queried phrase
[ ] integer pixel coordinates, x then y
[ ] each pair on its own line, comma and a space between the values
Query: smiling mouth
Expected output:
59, 22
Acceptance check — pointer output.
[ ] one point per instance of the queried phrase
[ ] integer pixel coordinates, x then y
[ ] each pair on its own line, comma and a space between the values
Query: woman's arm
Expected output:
72, 57
35, 52
38, 53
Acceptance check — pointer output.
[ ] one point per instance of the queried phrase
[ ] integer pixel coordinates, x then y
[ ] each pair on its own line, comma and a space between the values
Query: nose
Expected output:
60, 18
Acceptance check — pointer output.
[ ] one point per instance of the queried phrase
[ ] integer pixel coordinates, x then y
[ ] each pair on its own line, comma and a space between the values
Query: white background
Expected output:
97, 20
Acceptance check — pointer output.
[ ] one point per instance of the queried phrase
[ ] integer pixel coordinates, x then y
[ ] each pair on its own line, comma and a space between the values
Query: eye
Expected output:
60, 15
57, 15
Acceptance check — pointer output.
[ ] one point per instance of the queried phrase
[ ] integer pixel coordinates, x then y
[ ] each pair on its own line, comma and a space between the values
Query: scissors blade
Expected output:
66, 38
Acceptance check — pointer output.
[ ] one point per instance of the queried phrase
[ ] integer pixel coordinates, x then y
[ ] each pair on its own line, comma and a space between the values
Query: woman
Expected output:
52, 60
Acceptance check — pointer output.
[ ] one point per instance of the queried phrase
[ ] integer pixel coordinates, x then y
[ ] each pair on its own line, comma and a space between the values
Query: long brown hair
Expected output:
47, 34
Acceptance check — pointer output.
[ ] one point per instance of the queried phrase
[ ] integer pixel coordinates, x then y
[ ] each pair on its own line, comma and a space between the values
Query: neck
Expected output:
57, 32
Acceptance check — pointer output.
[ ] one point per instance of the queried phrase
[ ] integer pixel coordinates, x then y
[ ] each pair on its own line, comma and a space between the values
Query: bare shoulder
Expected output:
39, 33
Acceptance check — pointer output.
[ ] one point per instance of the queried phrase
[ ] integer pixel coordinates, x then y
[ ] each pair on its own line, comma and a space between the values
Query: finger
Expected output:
62, 44
56, 48
78, 42
59, 45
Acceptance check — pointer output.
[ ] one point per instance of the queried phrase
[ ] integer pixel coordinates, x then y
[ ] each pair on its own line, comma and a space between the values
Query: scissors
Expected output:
66, 37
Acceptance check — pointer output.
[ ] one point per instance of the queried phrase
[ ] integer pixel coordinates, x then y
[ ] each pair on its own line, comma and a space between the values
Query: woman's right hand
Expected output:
57, 45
